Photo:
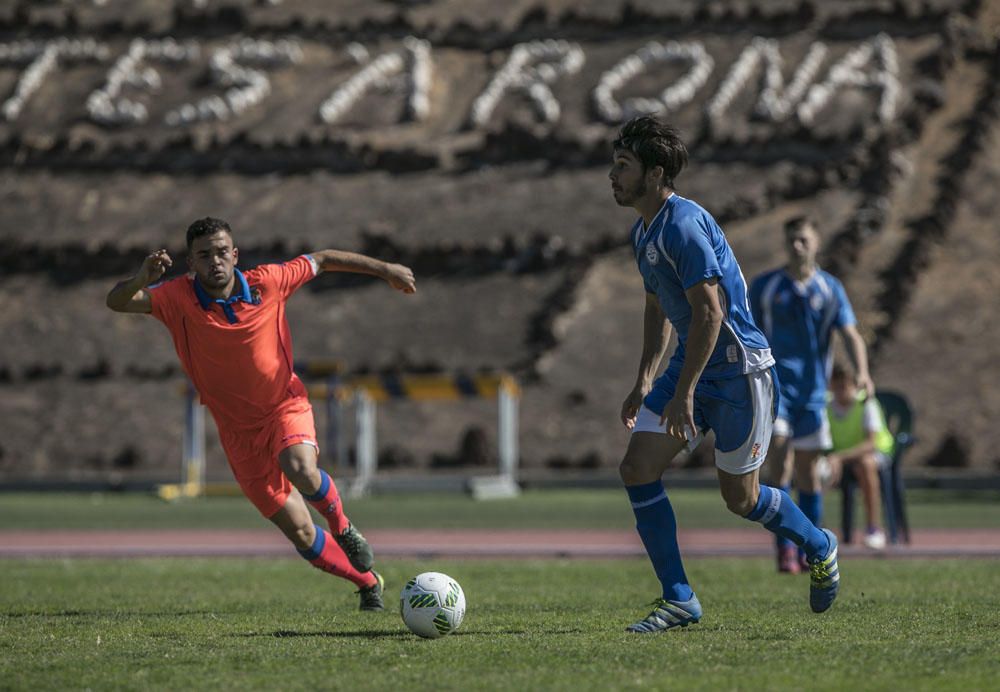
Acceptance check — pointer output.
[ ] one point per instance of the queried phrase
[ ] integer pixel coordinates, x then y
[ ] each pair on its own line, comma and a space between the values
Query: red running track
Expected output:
462, 543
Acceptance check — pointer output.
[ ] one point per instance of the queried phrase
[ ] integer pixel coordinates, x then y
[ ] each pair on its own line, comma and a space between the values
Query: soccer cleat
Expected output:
788, 560
356, 548
875, 539
667, 615
371, 596
824, 577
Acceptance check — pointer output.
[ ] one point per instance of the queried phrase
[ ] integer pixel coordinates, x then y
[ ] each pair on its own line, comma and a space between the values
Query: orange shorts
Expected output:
253, 453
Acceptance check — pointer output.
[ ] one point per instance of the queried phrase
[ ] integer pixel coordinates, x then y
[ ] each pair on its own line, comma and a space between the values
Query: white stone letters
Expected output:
776, 101
381, 73
244, 87
849, 72
531, 67
672, 98
108, 107
41, 58
238, 69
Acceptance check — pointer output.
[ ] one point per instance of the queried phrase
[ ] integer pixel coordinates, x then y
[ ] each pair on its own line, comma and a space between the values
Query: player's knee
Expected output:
302, 535
869, 461
633, 471
738, 501
297, 465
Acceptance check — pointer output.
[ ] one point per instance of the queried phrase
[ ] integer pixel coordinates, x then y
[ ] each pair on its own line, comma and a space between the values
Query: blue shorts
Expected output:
806, 426
739, 410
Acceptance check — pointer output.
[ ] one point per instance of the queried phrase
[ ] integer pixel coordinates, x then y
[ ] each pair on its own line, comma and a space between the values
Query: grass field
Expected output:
570, 509
537, 624
277, 624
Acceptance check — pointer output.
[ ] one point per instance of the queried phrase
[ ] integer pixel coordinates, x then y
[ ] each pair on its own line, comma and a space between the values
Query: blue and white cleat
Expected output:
824, 577
667, 615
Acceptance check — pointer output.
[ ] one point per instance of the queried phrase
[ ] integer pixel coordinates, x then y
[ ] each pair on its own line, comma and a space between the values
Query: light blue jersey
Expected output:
682, 247
798, 320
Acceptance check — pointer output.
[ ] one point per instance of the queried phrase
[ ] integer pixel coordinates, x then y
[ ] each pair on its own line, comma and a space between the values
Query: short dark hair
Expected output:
654, 143
206, 226
797, 223
838, 372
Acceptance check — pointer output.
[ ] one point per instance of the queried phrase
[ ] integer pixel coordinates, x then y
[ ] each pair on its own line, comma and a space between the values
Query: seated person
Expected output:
861, 442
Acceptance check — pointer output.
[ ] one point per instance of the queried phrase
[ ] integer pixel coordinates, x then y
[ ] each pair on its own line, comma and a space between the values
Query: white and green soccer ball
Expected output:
432, 605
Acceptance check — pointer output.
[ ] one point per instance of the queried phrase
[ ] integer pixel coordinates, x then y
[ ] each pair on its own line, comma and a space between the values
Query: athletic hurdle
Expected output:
365, 392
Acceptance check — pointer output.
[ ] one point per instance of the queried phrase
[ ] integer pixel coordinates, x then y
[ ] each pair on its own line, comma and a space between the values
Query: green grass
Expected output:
534, 509
276, 624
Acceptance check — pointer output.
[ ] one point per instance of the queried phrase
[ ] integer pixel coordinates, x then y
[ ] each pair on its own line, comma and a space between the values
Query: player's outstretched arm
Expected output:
131, 295
398, 276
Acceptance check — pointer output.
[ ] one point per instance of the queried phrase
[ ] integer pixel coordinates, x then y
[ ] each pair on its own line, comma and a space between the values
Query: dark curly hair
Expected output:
654, 143
206, 226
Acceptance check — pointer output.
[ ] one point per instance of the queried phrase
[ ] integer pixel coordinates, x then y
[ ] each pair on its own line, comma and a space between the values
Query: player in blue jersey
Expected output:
799, 307
718, 378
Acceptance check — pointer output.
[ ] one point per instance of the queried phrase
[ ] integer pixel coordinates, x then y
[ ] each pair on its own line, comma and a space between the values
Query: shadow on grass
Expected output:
103, 613
365, 634
394, 633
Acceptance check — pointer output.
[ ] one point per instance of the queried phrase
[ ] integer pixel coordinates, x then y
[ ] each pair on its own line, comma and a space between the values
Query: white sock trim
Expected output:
772, 507
650, 501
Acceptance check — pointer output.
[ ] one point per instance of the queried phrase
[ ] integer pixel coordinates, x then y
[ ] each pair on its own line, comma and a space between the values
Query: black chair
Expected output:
899, 418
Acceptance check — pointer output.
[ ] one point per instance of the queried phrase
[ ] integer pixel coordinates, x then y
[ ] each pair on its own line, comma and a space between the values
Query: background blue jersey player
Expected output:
799, 307
719, 377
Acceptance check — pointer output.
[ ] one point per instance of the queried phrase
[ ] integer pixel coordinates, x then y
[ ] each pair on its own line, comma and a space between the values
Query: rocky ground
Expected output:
509, 224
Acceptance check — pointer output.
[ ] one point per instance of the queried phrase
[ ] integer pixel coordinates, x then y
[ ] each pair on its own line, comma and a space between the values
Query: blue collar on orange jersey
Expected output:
227, 303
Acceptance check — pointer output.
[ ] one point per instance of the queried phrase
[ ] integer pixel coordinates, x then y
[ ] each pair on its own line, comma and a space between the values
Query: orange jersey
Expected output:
237, 352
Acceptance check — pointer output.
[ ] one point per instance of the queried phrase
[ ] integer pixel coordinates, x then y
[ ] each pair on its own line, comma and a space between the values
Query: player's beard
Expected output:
628, 196
213, 280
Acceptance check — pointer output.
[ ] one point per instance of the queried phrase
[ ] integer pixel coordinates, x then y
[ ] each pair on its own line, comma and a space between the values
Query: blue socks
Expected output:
657, 527
811, 505
776, 511
781, 541
317, 547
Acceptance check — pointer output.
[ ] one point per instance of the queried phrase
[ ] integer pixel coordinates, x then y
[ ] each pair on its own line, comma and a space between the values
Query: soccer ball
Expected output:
432, 605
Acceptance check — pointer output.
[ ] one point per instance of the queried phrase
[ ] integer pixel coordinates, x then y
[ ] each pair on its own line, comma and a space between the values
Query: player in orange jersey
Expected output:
231, 335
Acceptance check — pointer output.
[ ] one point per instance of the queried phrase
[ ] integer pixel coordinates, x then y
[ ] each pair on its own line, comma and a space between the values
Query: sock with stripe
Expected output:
779, 515
326, 555
326, 501
781, 541
657, 527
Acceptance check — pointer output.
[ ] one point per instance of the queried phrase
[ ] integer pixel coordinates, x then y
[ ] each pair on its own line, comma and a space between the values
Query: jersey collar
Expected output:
664, 211
208, 301
802, 287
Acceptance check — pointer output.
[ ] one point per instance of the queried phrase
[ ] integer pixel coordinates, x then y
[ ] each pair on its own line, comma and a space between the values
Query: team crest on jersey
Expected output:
255, 295
755, 450
817, 302
652, 256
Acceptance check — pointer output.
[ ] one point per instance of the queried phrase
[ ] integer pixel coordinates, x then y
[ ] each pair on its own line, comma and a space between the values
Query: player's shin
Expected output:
776, 511
327, 502
326, 555
657, 527
782, 542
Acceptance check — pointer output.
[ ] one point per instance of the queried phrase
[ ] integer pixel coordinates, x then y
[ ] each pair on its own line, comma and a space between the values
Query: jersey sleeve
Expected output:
290, 276
845, 313
691, 252
871, 420
163, 300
